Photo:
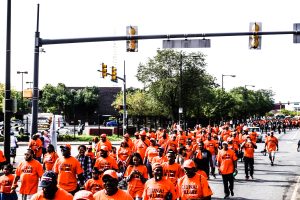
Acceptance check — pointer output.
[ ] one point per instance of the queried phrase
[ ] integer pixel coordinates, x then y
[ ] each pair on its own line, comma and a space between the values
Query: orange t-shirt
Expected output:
2, 157
193, 188
29, 173
272, 143
253, 136
106, 143
172, 172
67, 169
172, 145
159, 160
226, 161
106, 163
211, 146
141, 147
121, 194
135, 183
94, 185
36, 146
49, 160
91, 154
248, 150
124, 153
60, 194
151, 152
6, 183
156, 190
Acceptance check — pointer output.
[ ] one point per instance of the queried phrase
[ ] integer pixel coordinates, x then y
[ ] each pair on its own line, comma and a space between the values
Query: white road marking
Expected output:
294, 196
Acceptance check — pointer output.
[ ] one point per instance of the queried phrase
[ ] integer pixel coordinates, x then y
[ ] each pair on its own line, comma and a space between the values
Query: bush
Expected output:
84, 138
23, 138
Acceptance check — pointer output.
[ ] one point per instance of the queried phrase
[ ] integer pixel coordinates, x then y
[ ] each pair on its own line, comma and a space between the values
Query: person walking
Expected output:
226, 159
68, 170
50, 189
85, 162
49, 158
13, 146
159, 187
36, 145
28, 171
271, 146
111, 190
193, 185
248, 146
6, 181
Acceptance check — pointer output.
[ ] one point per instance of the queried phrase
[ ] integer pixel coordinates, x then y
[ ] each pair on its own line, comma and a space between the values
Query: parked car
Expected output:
260, 135
112, 123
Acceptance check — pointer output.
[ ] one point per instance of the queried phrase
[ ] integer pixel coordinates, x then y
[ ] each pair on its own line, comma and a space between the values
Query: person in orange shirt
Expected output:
161, 158
127, 139
111, 190
142, 144
271, 145
49, 158
2, 159
150, 153
172, 170
123, 155
212, 146
172, 144
248, 146
182, 155
193, 185
105, 161
36, 145
29, 171
136, 176
226, 159
103, 142
50, 189
163, 140
91, 154
135, 140
68, 170
94, 184
159, 187
6, 182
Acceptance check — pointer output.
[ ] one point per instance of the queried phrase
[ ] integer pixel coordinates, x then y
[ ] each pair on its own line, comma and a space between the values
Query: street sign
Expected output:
191, 43
296, 37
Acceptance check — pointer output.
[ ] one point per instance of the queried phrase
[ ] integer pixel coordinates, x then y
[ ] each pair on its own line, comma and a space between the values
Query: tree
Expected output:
161, 76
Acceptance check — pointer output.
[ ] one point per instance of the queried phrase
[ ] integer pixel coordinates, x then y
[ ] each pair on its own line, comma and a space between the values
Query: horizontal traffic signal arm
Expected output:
170, 36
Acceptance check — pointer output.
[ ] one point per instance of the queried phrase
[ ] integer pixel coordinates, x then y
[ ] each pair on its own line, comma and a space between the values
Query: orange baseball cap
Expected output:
189, 164
83, 194
104, 148
143, 133
103, 135
65, 146
126, 135
111, 173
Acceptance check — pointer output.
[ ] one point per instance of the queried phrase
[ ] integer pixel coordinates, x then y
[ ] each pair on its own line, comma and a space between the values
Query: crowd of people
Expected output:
163, 164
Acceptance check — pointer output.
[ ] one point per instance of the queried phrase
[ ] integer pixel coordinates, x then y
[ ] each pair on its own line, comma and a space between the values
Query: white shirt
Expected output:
13, 141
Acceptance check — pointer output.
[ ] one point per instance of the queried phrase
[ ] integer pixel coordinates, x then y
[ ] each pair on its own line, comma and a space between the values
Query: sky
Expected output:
275, 66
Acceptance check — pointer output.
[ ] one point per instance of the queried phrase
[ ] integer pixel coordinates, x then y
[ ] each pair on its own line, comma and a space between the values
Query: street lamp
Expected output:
30, 83
233, 76
22, 73
249, 86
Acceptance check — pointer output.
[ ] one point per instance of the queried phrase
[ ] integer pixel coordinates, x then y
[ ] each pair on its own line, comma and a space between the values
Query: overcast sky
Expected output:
275, 66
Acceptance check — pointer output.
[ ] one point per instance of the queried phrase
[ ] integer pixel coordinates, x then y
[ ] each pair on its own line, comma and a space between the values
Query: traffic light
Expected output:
114, 74
255, 40
104, 70
131, 44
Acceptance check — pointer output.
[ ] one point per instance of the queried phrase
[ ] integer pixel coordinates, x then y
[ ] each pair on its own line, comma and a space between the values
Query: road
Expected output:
281, 181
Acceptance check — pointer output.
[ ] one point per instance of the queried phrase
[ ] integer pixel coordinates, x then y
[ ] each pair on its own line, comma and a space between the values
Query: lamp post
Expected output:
73, 92
22, 73
233, 76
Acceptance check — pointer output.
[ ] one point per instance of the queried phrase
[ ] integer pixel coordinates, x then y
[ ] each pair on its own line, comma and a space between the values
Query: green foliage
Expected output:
84, 138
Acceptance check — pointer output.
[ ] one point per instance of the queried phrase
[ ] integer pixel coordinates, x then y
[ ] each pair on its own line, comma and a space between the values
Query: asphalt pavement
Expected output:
281, 181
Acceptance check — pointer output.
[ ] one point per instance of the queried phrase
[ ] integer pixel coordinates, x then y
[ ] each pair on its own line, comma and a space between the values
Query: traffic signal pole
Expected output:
39, 42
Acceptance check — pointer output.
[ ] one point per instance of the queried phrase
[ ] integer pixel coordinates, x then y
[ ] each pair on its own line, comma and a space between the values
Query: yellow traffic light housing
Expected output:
104, 70
255, 39
114, 74
131, 44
